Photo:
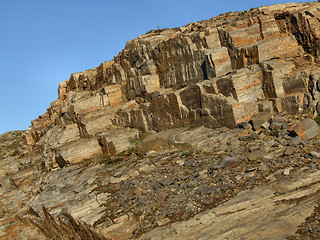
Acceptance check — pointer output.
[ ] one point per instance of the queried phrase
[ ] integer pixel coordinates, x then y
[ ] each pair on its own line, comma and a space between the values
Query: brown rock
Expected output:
307, 129
229, 162
108, 147
255, 156
259, 119
215, 73
289, 151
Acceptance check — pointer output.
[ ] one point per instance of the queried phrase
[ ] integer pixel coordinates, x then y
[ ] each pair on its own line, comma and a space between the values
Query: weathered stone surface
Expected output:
260, 119
289, 151
80, 150
229, 162
285, 46
215, 73
125, 195
184, 98
315, 154
223, 222
295, 141
307, 129
119, 138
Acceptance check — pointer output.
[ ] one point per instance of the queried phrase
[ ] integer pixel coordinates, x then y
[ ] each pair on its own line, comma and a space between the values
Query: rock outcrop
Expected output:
214, 73
181, 121
196, 183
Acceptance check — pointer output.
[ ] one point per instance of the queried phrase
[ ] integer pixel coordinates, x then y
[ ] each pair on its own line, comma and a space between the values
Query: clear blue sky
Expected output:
43, 41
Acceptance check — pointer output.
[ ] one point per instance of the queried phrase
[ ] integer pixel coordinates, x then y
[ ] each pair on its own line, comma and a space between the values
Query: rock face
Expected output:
214, 73
196, 183
181, 121
256, 209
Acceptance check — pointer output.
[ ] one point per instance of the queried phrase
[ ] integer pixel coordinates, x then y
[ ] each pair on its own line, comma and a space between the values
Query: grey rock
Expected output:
166, 181
205, 190
229, 162
265, 125
189, 163
278, 123
246, 138
283, 133
276, 126
255, 156
295, 141
285, 125
259, 119
212, 168
289, 151
268, 157
244, 125
270, 144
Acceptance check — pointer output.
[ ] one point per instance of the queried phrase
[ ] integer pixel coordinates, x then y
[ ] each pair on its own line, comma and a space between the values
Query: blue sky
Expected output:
42, 42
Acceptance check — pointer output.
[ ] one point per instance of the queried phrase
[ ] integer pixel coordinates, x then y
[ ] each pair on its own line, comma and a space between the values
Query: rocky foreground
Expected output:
231, 184
208, 131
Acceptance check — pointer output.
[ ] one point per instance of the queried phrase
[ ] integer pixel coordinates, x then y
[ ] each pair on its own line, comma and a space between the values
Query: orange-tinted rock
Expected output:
214, 73
307, 129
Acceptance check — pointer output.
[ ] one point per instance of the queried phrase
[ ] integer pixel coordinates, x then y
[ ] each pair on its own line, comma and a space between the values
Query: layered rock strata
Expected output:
210, 103
267, 180
215, 73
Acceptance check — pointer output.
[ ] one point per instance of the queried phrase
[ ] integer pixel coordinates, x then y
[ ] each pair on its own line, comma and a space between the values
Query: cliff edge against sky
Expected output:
214, 73
175, 135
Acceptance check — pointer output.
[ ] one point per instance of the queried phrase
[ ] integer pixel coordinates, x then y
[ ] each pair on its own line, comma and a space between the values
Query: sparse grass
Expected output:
135, 148
188, 152
272, 132
134, 141
266, 132
108, 159
85, 162
22, 165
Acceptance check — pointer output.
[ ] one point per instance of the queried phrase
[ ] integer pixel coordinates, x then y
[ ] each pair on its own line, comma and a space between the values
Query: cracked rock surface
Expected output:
208, 131
235, 183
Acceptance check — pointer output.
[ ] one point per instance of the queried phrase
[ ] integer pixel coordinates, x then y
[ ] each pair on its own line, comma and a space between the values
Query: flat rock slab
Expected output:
307, 129
261, 213
229, 162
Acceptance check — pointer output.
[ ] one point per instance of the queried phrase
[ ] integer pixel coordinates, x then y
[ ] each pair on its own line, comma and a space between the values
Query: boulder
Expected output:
307, 129
260, 119
229, 162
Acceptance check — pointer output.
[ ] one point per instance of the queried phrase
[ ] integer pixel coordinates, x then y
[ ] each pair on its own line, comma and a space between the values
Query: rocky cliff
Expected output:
214, 73
189, 116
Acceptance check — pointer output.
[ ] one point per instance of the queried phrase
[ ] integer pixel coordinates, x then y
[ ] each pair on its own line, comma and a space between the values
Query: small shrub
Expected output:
134, 141
135, 148
266, 132
84, 162
121, 154
105, 158
274, 132
187, 153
